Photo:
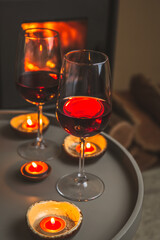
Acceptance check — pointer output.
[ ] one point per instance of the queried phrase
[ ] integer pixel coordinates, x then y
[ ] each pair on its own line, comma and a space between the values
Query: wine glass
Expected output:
38, 68
83, 109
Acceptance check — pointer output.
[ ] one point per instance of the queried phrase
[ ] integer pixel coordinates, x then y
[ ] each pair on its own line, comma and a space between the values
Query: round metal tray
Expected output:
114, 215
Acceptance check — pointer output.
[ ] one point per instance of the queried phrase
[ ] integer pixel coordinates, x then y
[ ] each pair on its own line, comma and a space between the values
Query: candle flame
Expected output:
34, 164
88, 145
29, 121
52, 220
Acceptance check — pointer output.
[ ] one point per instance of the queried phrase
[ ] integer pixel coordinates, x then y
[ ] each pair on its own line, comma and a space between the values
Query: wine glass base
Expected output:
34, 151
71, 187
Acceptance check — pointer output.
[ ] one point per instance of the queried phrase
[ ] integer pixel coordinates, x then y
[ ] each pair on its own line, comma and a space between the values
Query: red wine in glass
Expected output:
38, 87
38, 67
83, 109
83, 116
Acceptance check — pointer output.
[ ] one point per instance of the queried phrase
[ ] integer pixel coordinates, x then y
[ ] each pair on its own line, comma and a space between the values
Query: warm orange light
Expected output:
30, 124
50, 64
52, 224
41, 121
52, 220
73, 34
34, 164
29, 121
35, 168
88, 145
55, 76
40, 48
90, 148
30, 66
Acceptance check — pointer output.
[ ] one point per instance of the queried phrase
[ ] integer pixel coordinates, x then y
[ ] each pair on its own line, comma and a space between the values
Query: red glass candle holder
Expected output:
54, 220
35, 171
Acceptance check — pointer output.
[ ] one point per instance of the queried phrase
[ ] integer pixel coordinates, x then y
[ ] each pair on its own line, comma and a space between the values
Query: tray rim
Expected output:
140, 193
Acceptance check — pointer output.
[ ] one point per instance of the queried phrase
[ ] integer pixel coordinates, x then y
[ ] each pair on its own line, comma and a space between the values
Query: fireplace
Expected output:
73, 33
81, 24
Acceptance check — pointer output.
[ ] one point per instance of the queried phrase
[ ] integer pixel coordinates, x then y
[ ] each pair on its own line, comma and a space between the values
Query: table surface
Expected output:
114, 215
150, 221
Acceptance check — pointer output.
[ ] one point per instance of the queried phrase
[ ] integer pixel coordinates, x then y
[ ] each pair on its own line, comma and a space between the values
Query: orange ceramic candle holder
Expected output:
54, 220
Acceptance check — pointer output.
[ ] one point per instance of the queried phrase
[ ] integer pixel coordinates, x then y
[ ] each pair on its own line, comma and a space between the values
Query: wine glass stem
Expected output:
81, 174
40, 125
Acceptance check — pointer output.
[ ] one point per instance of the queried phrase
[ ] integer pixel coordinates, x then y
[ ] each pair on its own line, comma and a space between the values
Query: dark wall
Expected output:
101, 15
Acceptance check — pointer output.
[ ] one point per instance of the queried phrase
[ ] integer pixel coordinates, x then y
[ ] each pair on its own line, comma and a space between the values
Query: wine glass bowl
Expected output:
83, 116
37, 76
83, 110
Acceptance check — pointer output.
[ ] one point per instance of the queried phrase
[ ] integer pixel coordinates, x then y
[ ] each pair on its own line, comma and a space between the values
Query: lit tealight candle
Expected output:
90, 148
52, 224
30, 124
35, 170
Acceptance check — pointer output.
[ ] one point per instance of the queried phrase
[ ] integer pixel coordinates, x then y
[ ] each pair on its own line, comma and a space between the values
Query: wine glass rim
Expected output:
86, 50
40, 28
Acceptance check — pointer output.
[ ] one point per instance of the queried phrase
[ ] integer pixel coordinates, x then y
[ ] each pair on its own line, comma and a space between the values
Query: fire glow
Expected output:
30, 124
36, 167
36, 170
72, 33
90, 148
52, 224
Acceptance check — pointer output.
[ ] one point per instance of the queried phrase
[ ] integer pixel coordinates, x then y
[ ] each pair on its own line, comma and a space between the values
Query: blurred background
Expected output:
137, 42
137, 52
